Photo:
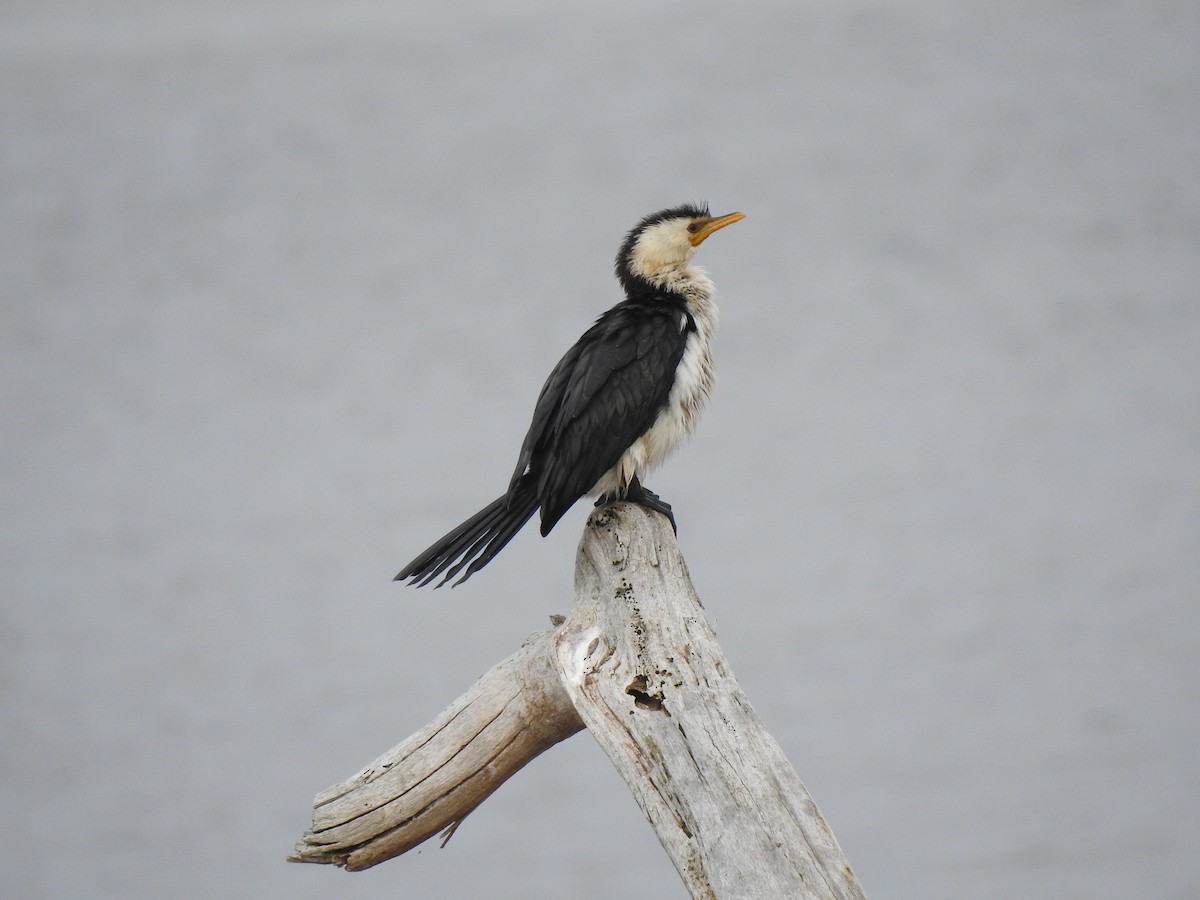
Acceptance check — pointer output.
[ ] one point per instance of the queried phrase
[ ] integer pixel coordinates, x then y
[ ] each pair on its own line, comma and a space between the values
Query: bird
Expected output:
616, 404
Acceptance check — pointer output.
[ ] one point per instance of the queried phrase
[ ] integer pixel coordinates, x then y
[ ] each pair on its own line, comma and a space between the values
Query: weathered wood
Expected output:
645, 671
638, 663
431, 781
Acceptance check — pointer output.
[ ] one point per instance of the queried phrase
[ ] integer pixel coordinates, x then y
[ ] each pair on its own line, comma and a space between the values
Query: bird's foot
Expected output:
643, 496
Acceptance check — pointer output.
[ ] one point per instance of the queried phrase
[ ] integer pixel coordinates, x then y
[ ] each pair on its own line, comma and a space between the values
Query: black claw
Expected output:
642, 496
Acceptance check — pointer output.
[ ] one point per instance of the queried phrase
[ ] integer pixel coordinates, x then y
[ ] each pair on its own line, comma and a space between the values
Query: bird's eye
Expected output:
693, 227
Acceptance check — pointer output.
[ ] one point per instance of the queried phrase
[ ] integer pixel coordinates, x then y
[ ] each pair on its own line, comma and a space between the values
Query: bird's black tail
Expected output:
475, 541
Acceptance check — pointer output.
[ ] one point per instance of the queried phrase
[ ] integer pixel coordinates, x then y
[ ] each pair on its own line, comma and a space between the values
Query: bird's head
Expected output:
662, 244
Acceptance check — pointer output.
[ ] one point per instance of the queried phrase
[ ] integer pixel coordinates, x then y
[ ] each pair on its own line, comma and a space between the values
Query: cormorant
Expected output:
616, 404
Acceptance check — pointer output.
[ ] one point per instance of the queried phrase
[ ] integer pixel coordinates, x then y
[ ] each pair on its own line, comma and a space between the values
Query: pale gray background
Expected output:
281, 282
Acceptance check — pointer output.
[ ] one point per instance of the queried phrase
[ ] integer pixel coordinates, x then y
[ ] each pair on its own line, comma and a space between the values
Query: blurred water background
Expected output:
280, 282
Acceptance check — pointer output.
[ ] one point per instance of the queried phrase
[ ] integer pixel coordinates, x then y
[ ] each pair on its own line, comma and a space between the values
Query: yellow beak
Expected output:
713, 225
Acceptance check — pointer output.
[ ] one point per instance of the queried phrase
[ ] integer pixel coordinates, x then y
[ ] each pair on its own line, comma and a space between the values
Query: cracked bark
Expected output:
638, 664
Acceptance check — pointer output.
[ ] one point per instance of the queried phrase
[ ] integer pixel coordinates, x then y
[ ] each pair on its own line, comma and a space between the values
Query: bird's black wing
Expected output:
547, 402
601, 397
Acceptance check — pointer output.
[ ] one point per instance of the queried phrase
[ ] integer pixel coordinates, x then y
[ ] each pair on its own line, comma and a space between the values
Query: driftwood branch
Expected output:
637, 662
432, 780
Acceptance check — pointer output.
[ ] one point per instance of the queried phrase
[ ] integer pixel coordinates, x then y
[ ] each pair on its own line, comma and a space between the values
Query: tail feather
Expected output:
476, 541
503, 533
461, 542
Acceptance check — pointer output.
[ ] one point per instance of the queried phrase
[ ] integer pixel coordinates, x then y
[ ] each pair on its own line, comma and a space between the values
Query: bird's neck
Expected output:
690, 283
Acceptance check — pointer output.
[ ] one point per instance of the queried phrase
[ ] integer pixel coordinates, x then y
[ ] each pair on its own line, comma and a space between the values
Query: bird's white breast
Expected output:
695, 378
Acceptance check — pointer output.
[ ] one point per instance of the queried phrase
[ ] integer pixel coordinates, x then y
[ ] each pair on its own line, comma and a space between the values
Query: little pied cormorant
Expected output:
615, 405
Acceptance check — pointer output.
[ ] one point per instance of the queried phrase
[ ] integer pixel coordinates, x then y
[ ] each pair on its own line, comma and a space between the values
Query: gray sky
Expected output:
281, 282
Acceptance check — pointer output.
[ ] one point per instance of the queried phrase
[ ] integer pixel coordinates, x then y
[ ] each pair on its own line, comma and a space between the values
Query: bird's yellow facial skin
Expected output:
702, 228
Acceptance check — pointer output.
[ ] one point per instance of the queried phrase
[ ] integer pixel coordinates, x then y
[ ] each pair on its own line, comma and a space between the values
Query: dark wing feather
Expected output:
602, 396
547, 402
